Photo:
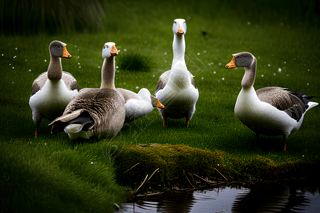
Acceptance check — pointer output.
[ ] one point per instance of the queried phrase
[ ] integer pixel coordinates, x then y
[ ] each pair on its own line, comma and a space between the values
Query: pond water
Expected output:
276, 197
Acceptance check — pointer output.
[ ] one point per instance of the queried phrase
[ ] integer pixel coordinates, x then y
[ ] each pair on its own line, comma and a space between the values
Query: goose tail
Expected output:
311, 104
75, 124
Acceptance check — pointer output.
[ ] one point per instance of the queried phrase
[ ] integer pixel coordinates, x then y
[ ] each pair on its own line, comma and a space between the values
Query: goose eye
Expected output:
104, 47
107, 46
59, 46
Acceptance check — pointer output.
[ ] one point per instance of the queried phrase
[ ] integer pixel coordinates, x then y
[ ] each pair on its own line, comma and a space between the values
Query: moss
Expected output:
178, 163
173, 162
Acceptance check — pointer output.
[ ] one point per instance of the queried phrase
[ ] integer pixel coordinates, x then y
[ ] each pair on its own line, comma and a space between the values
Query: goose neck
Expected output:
249, 76
178, 47
108, 73
55, 68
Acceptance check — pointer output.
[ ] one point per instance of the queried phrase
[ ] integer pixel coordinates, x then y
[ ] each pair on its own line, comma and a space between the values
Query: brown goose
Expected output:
98, 112
269, 110
54, 89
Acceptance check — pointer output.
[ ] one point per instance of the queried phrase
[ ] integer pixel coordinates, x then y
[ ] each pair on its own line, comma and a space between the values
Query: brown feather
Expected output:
283, 100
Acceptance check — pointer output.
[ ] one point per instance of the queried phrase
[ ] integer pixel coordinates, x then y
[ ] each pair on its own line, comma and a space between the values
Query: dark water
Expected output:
277, 197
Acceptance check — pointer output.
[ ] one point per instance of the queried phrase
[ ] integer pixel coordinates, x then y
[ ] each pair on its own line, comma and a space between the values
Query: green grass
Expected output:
25, 17
284, 37
134, 61
55, 177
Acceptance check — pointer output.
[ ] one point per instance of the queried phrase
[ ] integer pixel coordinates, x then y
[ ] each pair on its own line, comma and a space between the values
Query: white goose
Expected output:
176, 88
138, 105
269, 110
54, 89
95, 112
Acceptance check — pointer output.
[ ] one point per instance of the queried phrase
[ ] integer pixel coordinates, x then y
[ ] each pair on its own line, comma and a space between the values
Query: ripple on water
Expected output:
284, 197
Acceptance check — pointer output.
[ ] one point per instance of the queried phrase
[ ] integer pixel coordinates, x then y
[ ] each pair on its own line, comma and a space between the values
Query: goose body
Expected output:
138, 105
95, 112
54, 89
176, 88
269, 110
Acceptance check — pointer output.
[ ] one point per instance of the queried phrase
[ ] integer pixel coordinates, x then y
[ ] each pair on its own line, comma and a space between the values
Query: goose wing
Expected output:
39, 83
192, 80
163, 80
127, 94
283, 100
70, 81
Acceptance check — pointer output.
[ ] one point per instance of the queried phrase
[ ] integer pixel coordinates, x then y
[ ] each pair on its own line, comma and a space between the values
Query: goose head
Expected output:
249, 62
179, 27
59, 49
155, 102
145, 95
243, 59
109, 49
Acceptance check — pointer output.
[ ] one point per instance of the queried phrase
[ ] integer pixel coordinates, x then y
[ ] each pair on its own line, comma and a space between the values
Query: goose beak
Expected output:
232, 63
114, 51
160, 105
180, 31
65, 53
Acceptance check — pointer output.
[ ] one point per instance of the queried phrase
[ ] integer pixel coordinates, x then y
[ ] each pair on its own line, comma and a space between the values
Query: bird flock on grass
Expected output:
102, 112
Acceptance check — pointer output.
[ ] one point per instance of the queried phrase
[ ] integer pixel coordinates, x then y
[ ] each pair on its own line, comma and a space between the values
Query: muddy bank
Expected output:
150, 170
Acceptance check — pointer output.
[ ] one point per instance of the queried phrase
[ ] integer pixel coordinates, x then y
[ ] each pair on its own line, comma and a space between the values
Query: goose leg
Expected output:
36, 133
164, 116
188, 122
284, 143
37, 117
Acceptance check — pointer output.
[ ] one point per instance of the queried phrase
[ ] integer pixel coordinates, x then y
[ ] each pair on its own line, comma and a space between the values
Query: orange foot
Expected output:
188, 122
164, 122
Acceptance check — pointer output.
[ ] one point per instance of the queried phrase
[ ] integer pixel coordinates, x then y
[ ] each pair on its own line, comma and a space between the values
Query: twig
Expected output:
192, 177
132, 167
188, 179
153, 174
141, 184
208, 181
221, 174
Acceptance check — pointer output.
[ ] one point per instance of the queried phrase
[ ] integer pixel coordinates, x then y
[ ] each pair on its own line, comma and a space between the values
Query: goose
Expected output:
95, 112
54, 89
176, 88
138, 105
269, 110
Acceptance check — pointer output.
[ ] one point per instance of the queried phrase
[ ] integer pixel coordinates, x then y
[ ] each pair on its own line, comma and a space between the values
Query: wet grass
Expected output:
214, 33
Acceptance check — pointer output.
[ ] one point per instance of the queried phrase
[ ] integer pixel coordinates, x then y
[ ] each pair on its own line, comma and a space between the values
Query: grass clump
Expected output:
63, 16
43, 180
173, 162
179, 165
134, 61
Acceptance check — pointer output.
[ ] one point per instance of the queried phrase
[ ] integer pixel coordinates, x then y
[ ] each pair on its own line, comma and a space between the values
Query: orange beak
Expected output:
160, 105
232, 64
180, 31
65, 53
114, 51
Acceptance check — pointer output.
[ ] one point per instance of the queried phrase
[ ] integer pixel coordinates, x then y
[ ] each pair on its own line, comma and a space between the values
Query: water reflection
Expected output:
293, 197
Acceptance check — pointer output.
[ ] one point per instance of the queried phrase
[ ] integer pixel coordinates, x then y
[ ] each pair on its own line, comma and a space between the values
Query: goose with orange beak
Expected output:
176, 88
54, 89
139, 105
95, 112
269, 110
